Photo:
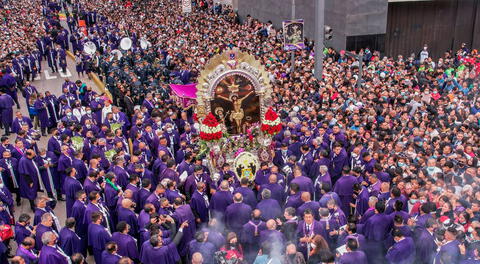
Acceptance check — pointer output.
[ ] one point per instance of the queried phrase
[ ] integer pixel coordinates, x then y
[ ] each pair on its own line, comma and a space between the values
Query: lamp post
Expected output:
319, 37
293, 51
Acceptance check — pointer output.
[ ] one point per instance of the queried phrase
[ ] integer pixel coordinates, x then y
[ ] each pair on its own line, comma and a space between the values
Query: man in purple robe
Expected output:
144, 192
308, 204
294, 200
169, 172
198, 176
361, 196
449, 252
307, 229
77, 213
30, 179
154, 198
43, 227
120, 172
51, 252
403, 251
304, 183
200, 204
269, 207
110, 254
26, 250
70, 187
250, 235
220, 200
155, 251
426, 248
276, 190
273, 236
375, 230
344, 189
126, 213
339, 161
6, 111
70, 242
201, 245
261, 177
237, 214
183, 213
91, 183
127, 245
353, 254
23, 228
247, 193
64, 162
98, 236
96, 206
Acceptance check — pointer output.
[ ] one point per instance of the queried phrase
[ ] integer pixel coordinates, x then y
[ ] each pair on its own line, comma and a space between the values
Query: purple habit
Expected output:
236, 215
127, 246
219, 202
166, 254
50, 255
270, 209
182, 214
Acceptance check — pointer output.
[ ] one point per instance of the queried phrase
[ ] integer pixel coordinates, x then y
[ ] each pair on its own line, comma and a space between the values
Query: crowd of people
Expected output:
378, 168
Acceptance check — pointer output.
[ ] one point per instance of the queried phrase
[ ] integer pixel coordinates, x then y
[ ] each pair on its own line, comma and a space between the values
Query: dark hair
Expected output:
122, 226
352, 244
380, 206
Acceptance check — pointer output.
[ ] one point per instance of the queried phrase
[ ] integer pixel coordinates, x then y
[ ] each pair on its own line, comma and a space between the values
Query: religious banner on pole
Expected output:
186, 6
293, 34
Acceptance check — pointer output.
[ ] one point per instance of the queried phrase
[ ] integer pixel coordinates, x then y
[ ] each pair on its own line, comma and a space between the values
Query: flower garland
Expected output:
210, 129
271, 123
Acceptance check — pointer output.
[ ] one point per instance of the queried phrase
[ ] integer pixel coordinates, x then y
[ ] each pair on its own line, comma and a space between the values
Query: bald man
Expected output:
237, 214
276, 189
308, 204
126, 213
273, 236
197, 258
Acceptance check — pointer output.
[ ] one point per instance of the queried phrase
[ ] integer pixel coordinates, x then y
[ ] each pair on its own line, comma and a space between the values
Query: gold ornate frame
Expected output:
232, 62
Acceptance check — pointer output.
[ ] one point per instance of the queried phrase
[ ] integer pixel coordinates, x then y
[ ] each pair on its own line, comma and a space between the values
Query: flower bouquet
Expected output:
115, 126
210, 129
109, 154
77, 143
271, 123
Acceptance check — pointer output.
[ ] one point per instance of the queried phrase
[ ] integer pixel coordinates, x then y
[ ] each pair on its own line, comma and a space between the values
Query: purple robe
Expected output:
50, 255
21, 232
70, 187
276, 190
108, 258
29, 174
426, 248
98, 236
70, 242
449, 253
353, 257
250, 238
344, 189
402, 252
127, 246
166, 254
304, 183
270, 209
248, 196
199, 205
38, 236
27, 255
294, 200
219, 203
207, 250
182, 214
316, 228
236, 215
131, 218
311, 205
90, 186
361, 203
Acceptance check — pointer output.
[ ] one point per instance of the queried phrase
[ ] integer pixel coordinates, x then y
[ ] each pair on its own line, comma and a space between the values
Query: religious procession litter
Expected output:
206, 147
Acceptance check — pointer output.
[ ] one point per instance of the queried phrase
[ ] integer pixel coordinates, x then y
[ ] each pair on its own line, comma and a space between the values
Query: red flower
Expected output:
271, 115
210, 120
